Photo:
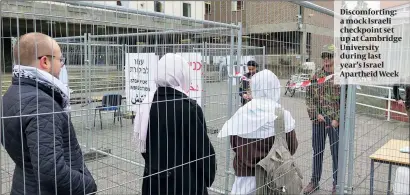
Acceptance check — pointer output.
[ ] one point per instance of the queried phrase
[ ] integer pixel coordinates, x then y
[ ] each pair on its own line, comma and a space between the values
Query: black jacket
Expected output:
244, 86
41, 140
180, 158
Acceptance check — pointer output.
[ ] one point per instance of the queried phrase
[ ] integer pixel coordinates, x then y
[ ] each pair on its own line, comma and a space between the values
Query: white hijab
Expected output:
64, 76
172, 71
64, 79
259, 112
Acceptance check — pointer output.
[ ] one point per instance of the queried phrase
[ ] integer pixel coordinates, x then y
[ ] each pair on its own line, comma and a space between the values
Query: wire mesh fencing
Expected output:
112, 54
100, 53
379, 164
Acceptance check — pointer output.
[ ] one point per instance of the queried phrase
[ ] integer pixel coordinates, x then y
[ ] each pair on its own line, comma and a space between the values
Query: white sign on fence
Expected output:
140, 69
246, 59
237, 70
219, 60
196, 74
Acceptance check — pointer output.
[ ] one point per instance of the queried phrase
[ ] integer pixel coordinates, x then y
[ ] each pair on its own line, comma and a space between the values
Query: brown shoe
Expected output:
311, 188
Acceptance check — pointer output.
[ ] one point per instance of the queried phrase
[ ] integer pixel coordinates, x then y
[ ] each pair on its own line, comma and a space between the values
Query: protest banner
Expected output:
196, 70
140, 70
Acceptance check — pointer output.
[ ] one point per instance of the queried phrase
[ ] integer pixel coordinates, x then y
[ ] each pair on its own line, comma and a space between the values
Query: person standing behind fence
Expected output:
323, 105
244, 86
171, 134
399, 100
252, 133
38, 133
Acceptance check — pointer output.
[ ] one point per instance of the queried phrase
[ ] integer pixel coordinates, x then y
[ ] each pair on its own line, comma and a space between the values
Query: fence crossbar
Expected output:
146, 13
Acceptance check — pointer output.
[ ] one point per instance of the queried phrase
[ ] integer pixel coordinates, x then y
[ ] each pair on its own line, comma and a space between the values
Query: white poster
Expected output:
140, 69
219, 60
246, 59
196, 67
241, 69
63, 77
238, 70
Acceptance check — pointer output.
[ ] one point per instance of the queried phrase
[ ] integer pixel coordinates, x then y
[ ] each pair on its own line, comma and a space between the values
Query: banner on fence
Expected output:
219, 60
196, 67
238, 71
140, 70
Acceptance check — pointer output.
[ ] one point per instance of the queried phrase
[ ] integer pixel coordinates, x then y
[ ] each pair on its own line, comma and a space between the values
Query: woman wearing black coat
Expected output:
170, 130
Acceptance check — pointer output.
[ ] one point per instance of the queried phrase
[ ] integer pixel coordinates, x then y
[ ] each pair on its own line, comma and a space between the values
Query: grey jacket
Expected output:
40, 139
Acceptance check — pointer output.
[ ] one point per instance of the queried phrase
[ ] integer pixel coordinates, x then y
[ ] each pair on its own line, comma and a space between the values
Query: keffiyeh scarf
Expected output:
45, 79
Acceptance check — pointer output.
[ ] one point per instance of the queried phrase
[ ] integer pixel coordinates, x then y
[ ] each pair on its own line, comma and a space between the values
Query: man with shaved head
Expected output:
38, 133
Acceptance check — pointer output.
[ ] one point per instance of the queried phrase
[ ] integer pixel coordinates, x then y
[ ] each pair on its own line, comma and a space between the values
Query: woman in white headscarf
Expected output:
251, 130
171, 134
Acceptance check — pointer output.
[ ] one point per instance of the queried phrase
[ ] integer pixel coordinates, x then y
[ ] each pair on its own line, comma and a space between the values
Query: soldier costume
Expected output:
406, 100
323, 99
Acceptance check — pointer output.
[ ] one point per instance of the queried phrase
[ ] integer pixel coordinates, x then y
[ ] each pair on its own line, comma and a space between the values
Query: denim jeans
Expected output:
319, 134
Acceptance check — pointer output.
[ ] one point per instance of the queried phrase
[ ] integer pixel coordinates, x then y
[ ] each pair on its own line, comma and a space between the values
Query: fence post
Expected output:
389, 105
342, 141
88, 88
263, 58
302, 29
229, 114
107, 63
239, 47
122, 69
238, 60
1, 96
205, 72
351, 141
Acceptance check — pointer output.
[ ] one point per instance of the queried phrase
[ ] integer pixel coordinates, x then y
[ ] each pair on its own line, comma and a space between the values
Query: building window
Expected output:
186, 10
308, 45
207, 7
158, 6
119, 3
237, 5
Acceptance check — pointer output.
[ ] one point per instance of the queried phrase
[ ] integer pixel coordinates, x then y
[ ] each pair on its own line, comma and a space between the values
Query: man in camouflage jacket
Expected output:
323, 105
397, 97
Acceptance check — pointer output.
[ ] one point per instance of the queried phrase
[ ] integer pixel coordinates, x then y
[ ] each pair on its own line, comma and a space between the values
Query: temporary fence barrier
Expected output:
103, 44
98, 63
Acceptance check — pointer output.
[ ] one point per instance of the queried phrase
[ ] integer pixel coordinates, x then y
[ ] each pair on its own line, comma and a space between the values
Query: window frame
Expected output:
234, 6
210, 8
189, 10
161, 8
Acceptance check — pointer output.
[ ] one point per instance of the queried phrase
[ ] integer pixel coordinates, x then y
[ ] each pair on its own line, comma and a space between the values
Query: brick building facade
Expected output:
274, 24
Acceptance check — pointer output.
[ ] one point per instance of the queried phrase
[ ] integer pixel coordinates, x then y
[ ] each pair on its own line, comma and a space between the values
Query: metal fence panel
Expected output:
101, 42
96, 53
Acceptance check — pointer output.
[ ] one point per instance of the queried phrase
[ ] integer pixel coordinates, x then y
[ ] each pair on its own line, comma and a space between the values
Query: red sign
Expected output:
196, 65
193, 88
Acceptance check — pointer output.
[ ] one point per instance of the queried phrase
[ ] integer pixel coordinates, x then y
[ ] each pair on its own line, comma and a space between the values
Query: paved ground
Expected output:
122, 172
